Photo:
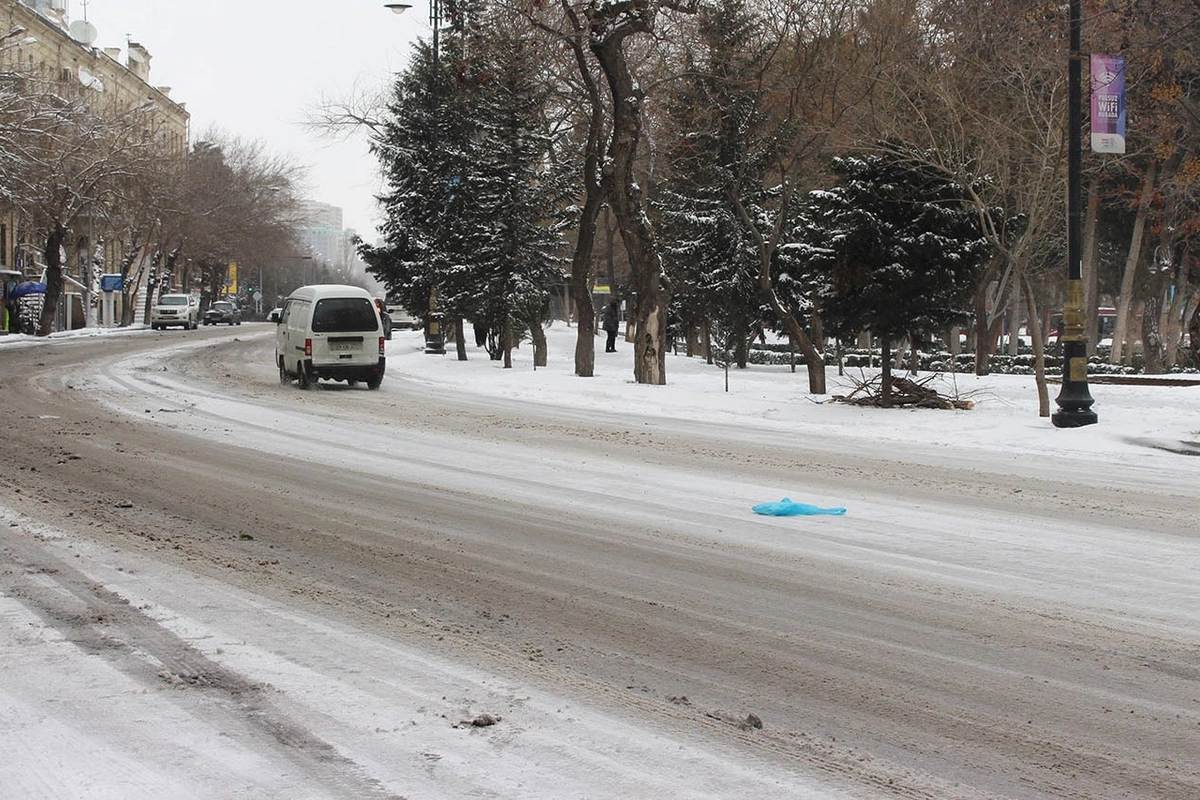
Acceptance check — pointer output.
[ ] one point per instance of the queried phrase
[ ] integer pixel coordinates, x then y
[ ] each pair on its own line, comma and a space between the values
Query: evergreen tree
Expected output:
517, 259
464, 154
896, 248
416, 253
712, 261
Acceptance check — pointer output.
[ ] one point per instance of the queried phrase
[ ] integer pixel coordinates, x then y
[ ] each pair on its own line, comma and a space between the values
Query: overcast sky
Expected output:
255, 68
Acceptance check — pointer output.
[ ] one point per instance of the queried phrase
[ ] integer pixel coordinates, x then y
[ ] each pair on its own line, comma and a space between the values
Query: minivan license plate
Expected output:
343, 347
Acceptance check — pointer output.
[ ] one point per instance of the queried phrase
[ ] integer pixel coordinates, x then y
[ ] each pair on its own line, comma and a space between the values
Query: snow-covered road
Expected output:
523, 584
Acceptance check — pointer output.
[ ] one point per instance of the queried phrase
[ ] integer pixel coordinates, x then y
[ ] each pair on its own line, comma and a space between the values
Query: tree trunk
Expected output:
54, 279
1152, 340
506, 340
131, 280
1177, 324
1125, 299
581, 298
625, 199
741, 353
1014, 323
982, 351
885, 388
1091, 268
537, 335
986, 329
814, 359
1194, 334
1039, 348
585, 240
649, 354
460, 339
151, 281
611, 227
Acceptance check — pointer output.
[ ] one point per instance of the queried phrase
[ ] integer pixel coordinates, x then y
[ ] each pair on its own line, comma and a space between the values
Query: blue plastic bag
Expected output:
787, 508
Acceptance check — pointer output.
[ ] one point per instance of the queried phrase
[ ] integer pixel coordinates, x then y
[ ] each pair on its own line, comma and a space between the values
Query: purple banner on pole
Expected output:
1108, 103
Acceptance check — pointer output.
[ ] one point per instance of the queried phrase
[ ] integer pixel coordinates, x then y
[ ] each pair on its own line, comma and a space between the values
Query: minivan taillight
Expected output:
381, 346
308, 348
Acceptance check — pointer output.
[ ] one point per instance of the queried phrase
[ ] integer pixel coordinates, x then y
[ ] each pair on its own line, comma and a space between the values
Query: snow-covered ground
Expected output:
130, 742
1004, 420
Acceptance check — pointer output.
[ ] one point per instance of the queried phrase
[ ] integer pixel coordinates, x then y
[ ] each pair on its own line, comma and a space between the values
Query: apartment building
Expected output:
39, 44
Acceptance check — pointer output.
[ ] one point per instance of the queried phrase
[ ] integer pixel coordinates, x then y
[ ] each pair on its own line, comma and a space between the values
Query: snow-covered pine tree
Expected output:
516, 194
411, 149
463, 151
707, 252
896, 247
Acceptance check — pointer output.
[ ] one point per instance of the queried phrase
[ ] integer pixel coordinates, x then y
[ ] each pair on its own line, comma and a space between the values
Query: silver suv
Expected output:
174, 309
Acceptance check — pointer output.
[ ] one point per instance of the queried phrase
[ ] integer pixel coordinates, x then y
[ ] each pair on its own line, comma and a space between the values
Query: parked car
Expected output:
384, 317
401, 318
174, 309
332, 332
222, 312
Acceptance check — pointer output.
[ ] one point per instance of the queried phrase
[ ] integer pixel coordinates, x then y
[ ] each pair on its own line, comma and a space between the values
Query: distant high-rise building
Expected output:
323, 235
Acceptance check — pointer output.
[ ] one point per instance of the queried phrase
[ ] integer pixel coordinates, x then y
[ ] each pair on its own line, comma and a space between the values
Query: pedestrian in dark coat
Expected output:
610, 321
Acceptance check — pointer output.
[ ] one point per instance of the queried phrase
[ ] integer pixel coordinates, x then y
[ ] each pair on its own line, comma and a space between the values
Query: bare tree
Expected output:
986, 104
66, 159
1164, 162
138, 225
239, 204
610, 27
583, 128
820, 77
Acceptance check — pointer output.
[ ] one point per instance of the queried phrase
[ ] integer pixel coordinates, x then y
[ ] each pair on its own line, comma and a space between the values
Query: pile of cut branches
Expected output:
906, 393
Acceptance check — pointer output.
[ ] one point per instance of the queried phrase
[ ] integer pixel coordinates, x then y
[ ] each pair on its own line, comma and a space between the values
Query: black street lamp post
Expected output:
1074, 400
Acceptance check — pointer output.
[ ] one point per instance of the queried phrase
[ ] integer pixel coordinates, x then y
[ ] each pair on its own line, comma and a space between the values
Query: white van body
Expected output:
174, 309
329, 331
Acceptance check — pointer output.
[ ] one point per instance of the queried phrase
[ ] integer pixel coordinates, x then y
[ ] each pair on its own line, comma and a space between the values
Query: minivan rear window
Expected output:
340, 314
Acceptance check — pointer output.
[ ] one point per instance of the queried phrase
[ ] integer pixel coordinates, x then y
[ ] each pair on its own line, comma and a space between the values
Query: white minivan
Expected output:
332, 332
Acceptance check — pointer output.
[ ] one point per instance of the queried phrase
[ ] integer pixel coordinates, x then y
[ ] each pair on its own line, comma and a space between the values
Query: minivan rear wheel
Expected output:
304, 379
284, 379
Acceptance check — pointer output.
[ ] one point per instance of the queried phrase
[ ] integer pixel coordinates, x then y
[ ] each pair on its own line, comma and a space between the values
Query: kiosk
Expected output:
110, 284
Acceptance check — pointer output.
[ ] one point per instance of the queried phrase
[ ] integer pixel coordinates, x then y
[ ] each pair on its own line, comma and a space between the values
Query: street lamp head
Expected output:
397, 8
18, 43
